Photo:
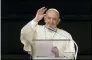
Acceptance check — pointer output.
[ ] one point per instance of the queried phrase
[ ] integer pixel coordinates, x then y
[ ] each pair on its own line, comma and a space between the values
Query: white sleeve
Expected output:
27, 35
32, 24
69, 50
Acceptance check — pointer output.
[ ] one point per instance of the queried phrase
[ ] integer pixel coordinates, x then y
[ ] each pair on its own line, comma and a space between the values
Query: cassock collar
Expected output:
55, 29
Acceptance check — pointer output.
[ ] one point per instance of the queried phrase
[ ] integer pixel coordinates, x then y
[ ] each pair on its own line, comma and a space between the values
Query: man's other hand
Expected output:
55, 51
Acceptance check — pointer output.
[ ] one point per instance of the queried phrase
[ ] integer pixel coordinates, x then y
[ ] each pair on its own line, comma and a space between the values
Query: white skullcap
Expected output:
53, 10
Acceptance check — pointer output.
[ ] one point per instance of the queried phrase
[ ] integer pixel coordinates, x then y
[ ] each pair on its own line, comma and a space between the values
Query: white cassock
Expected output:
33, 31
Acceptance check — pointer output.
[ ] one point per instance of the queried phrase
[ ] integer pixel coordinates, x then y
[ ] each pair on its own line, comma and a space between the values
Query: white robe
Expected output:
33, 31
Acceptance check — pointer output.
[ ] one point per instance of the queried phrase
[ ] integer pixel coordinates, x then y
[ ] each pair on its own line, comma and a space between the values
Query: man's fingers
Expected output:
54, 49
43, 9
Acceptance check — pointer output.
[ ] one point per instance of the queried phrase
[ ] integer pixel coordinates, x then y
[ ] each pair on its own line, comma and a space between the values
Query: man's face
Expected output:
51, 18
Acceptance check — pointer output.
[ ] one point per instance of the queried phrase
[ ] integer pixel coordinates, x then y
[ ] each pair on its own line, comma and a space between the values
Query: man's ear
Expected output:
44, 18
58, 21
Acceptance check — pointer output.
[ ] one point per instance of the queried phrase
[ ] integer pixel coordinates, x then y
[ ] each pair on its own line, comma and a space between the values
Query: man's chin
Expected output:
50, 26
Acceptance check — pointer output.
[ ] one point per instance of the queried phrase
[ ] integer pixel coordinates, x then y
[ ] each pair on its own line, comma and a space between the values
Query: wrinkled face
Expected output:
51, 18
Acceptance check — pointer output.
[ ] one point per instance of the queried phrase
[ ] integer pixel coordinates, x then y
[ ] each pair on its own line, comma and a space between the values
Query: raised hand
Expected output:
40, 14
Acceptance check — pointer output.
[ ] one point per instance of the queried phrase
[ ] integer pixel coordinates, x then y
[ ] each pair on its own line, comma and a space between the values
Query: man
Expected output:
33, 31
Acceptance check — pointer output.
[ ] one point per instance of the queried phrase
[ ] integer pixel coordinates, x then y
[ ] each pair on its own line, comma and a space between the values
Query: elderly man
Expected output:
32, 31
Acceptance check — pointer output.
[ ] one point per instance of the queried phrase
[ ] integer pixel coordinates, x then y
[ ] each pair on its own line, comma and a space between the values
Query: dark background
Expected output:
75, 18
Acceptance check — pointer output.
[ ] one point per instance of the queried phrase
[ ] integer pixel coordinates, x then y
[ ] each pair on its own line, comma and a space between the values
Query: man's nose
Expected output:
51, 20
